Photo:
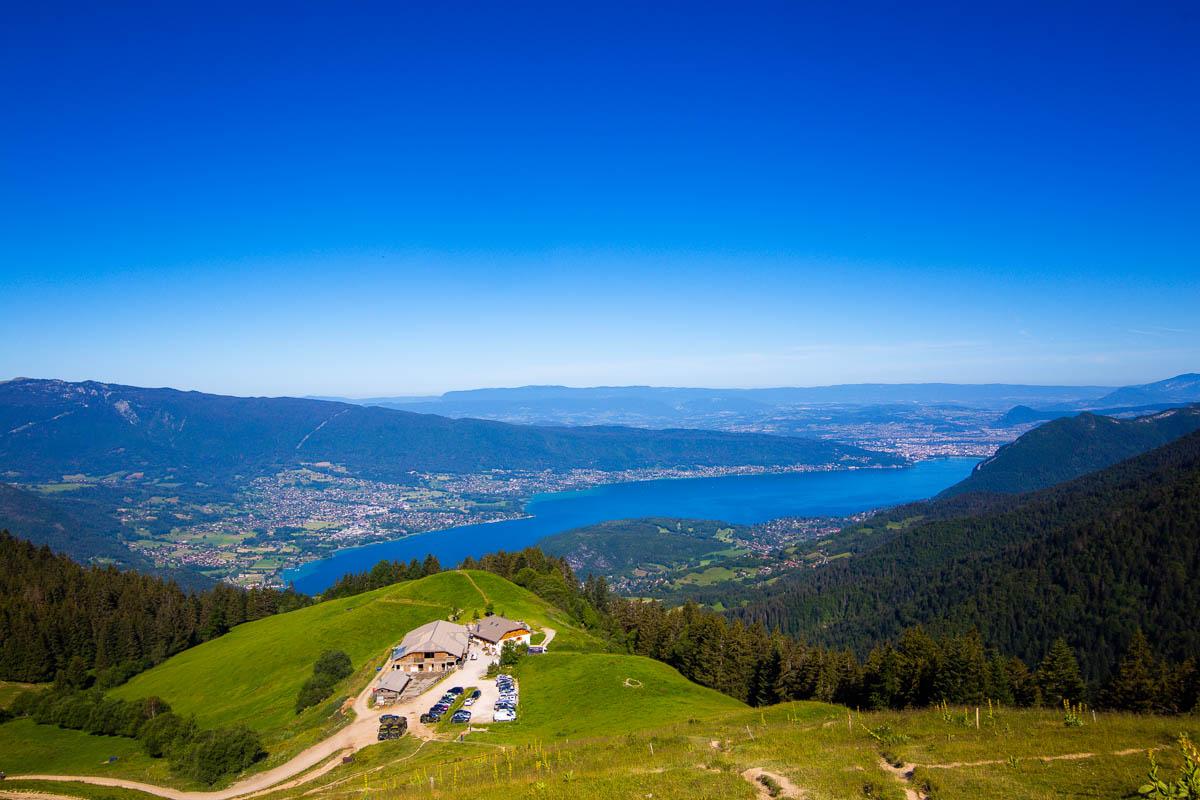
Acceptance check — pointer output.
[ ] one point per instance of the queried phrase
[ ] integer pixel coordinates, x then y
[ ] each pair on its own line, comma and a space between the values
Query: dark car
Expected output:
461, 716
475, 694
392, 727
456, 691
435, 714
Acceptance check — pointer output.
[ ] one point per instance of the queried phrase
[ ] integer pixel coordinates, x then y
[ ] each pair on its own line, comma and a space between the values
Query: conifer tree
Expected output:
1058, 675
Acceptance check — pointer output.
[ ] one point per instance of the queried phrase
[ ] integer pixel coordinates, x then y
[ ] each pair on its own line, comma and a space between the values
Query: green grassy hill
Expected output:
605, 693
252, 674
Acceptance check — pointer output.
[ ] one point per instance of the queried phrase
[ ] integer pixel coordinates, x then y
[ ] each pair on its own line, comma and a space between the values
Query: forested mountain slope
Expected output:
55, 613
1069, 447
1090, 560
51, 428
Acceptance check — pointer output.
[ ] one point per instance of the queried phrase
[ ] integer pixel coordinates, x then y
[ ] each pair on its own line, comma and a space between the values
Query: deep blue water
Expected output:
744, 499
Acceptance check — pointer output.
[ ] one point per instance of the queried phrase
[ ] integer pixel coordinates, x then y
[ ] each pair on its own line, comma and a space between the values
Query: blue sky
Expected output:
387, 200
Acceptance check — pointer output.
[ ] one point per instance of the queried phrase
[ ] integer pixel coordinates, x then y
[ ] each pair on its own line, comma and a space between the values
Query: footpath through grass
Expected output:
827, 751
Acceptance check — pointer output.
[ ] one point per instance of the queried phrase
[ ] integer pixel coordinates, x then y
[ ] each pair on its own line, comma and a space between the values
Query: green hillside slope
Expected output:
253, 674
606, 693
1072, 446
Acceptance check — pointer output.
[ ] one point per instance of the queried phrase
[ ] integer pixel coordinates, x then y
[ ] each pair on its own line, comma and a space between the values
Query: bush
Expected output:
210, 755
314, 690
511, 654
333, 663
331, 667
165, 734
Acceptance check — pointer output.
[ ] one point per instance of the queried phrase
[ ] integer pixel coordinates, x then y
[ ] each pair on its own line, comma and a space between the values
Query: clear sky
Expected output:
367, 199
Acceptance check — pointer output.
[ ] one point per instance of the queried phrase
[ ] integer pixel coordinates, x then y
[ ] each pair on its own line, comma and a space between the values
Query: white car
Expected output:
503, 715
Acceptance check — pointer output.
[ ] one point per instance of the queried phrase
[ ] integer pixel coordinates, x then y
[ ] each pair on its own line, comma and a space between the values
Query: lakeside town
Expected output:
281, 521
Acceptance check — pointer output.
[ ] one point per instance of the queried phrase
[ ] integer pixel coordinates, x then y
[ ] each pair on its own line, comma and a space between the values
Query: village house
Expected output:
437, 646
390, 687
497, 631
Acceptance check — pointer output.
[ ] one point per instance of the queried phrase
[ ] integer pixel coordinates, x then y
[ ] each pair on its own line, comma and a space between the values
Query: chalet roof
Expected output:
493, 629
438, 636
394, 681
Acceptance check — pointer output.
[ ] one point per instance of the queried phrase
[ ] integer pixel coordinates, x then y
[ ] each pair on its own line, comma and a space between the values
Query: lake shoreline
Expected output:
748, 498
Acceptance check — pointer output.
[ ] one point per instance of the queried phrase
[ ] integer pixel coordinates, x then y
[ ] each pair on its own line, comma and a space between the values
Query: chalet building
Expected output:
499, 631
390, 687
437, 646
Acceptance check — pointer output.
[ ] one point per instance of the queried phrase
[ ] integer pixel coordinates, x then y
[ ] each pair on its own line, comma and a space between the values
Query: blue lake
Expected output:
743, 499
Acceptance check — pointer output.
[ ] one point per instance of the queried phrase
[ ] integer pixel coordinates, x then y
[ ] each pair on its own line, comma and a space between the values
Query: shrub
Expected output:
331, 667
1187, 787
333, 663
165, 734
210, 755
314, 690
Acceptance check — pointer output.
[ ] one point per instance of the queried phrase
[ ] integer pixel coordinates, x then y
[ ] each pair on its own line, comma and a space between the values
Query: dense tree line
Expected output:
202, 755
385, 573
55, 613
917, 669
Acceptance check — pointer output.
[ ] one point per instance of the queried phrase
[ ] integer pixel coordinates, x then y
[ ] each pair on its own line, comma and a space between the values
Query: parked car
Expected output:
504, 715
393, 728
470, 701
461, 716
456, 691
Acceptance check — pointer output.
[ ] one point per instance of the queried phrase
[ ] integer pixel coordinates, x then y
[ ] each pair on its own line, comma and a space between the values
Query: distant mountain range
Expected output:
667, 403
1169, 393
817, 411
1180, 389
51, 428
1072, 446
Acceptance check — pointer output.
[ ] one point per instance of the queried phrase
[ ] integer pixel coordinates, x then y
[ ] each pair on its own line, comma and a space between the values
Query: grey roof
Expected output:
492, 629
438, 636
394, 681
